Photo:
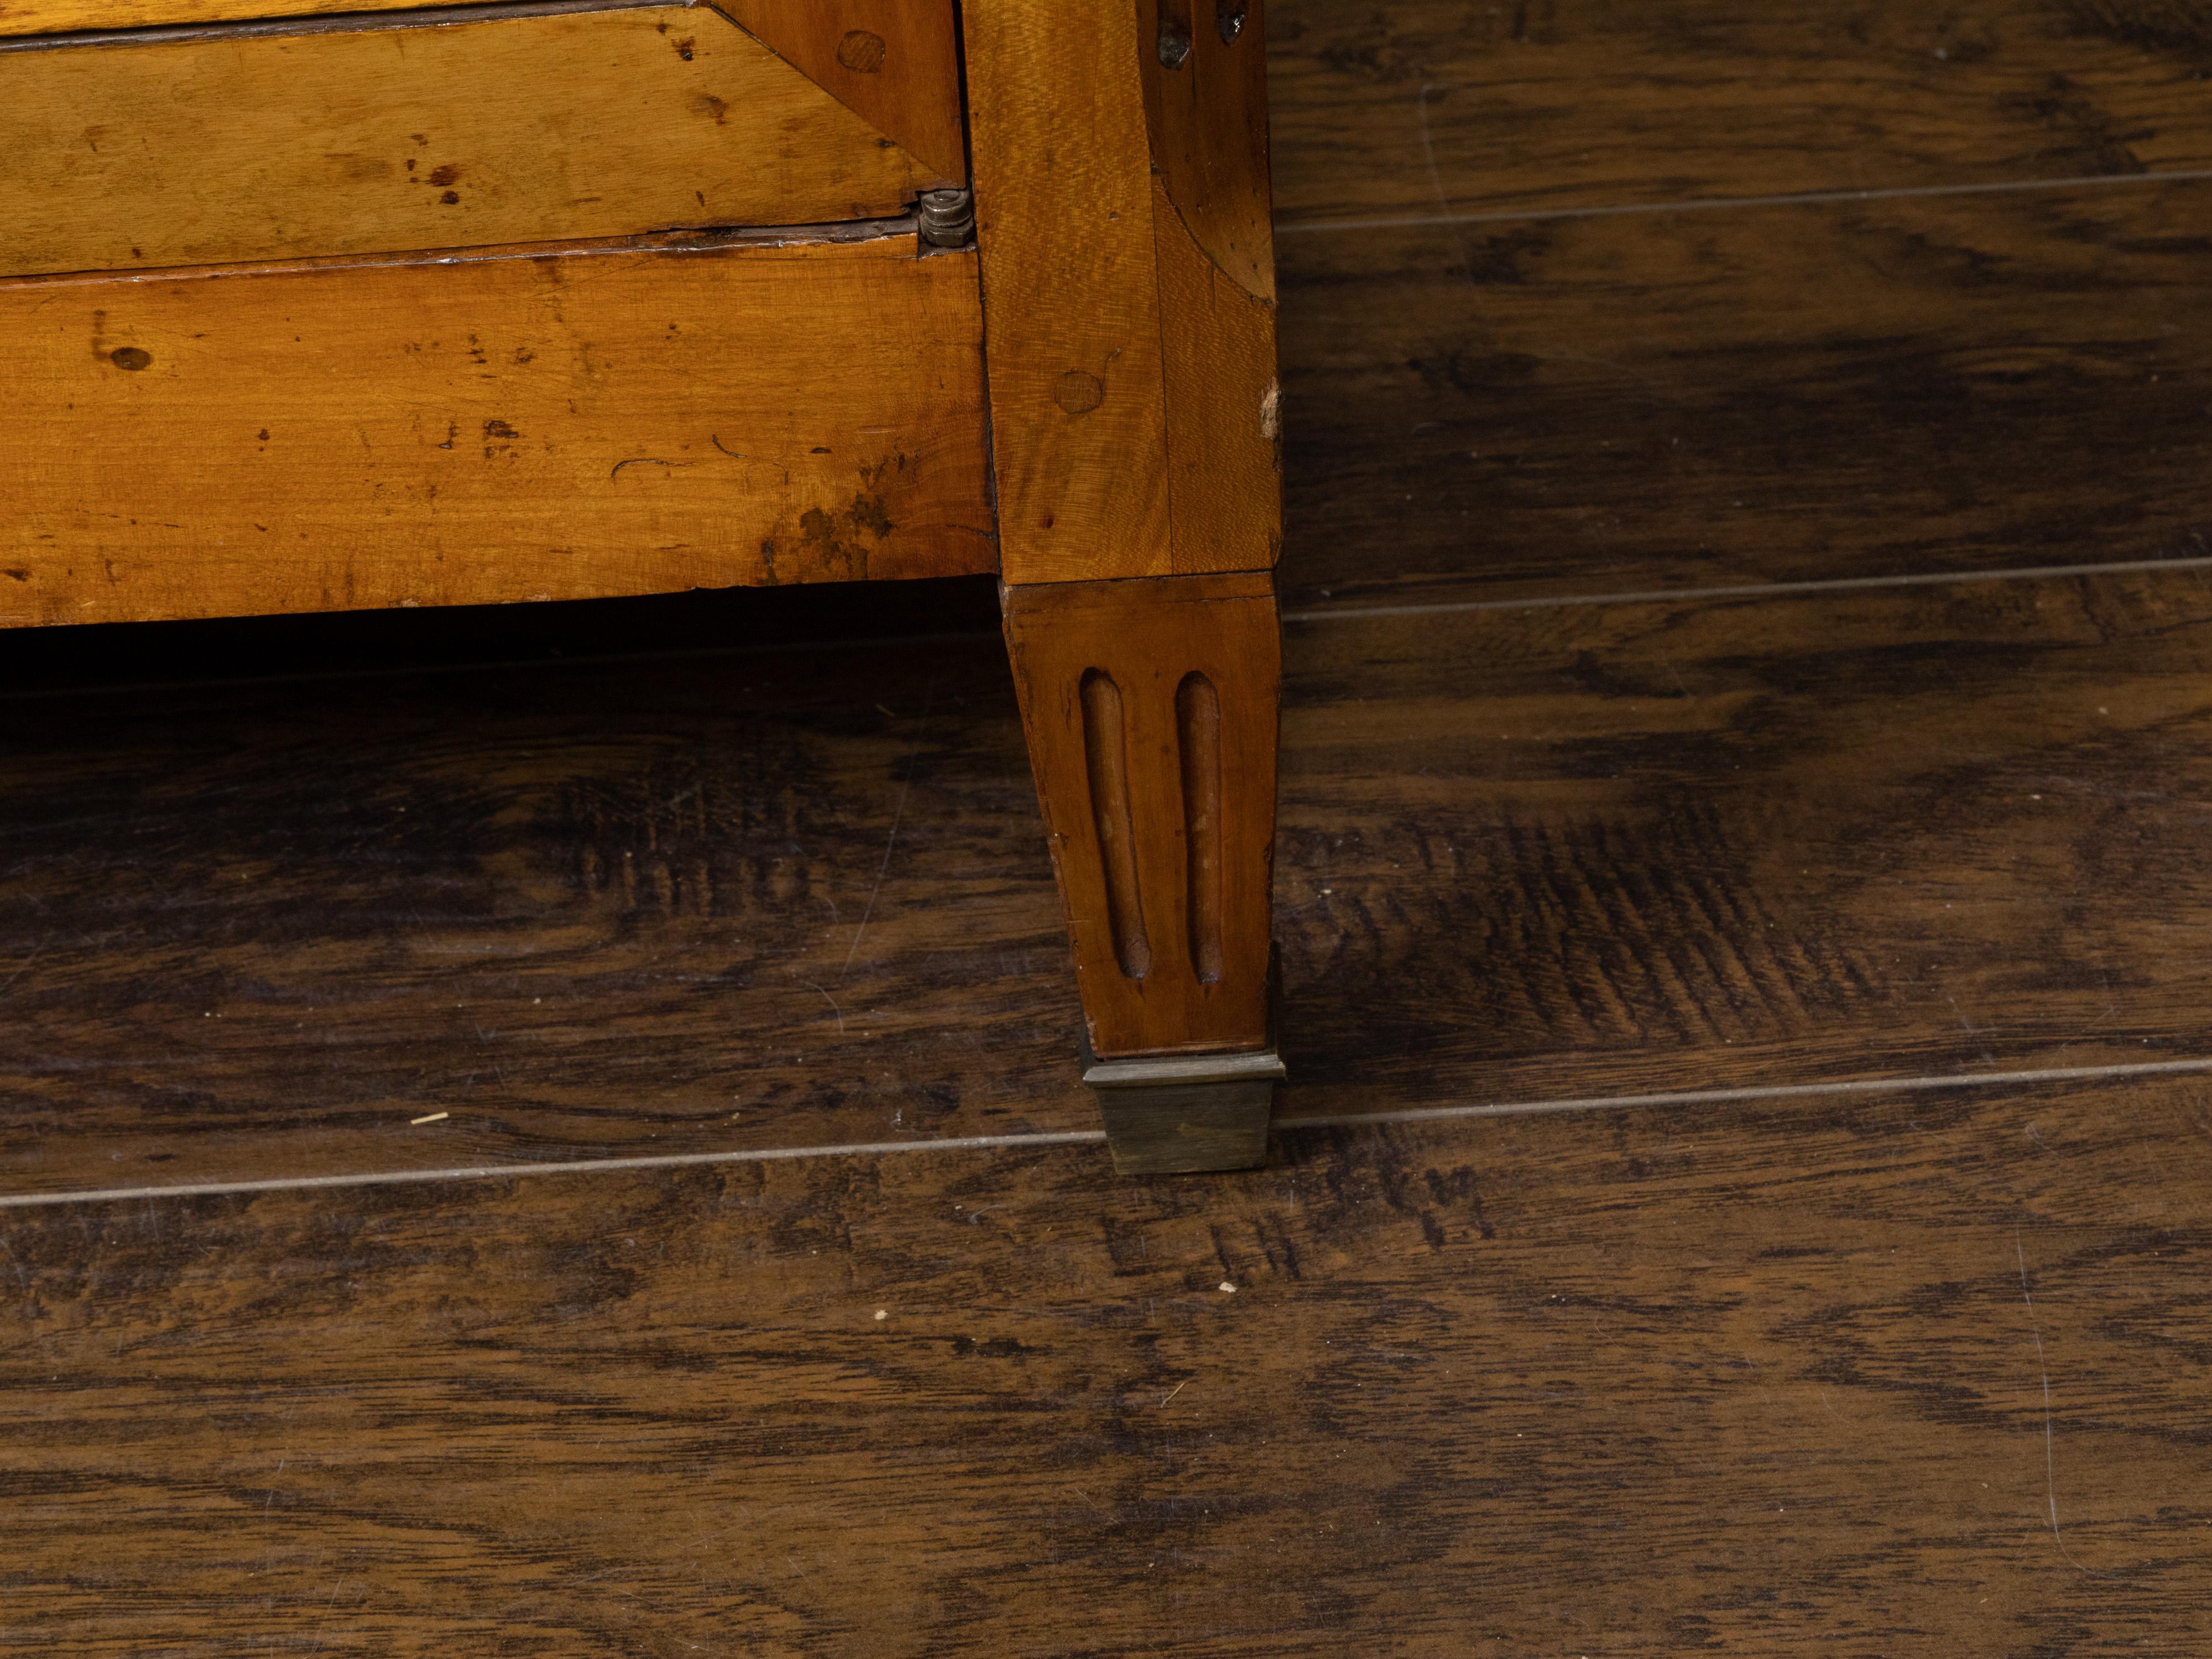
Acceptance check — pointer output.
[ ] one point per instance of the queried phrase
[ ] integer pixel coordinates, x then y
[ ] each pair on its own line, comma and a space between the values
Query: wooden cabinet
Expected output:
312, 306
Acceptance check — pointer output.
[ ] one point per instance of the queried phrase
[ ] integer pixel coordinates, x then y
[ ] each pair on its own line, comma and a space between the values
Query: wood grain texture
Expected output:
896, 62
597, 911
1064, 216
1422, 106
1207, 115
1213, 248
1124, 755
1786, 839
63, 16
1646, 402
1914, 1375
557, 425
208, 149
1224, 404
687, 905
1122, 221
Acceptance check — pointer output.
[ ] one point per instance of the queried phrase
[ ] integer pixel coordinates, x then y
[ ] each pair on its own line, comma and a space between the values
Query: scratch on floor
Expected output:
1429, 147
2049, 1440
831, 1000
898, 816
22, 1276
30, 962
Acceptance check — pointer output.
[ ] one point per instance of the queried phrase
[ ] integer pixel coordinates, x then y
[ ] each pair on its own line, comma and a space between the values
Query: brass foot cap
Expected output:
1182, 1114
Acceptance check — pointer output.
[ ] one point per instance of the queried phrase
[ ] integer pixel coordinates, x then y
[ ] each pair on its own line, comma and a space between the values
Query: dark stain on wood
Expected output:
862, 51
1079, 393
837, 541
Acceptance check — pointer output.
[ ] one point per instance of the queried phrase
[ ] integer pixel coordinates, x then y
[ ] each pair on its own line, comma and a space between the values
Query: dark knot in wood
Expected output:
1079, 393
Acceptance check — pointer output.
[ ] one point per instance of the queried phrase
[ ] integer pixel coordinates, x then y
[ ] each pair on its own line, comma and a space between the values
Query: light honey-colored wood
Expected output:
1225, 450
1214, 241
224, 146
62, 16
521, 426
1064, 212
895, 62
1128, 268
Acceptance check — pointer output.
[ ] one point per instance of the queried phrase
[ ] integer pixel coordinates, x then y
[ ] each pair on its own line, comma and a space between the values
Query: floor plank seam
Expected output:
1711, 203
1749, 590
1096, 1137
1760, 1092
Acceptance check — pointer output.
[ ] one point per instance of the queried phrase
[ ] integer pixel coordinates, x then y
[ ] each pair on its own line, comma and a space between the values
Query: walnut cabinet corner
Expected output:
315, 305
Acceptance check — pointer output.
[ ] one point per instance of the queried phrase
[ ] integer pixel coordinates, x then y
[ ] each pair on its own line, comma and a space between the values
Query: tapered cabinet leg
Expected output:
1151, 708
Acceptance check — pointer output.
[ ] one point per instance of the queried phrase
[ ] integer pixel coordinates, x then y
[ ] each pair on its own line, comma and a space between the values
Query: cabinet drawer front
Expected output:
524, 425
433, 131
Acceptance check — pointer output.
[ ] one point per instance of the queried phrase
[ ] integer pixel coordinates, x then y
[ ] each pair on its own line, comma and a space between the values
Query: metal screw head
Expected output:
947, 217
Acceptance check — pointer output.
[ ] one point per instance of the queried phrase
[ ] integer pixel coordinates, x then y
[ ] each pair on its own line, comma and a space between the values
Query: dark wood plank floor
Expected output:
1744, 1183
1435, 106
1531, 358
1774, 394
1918, 1375
706, 905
